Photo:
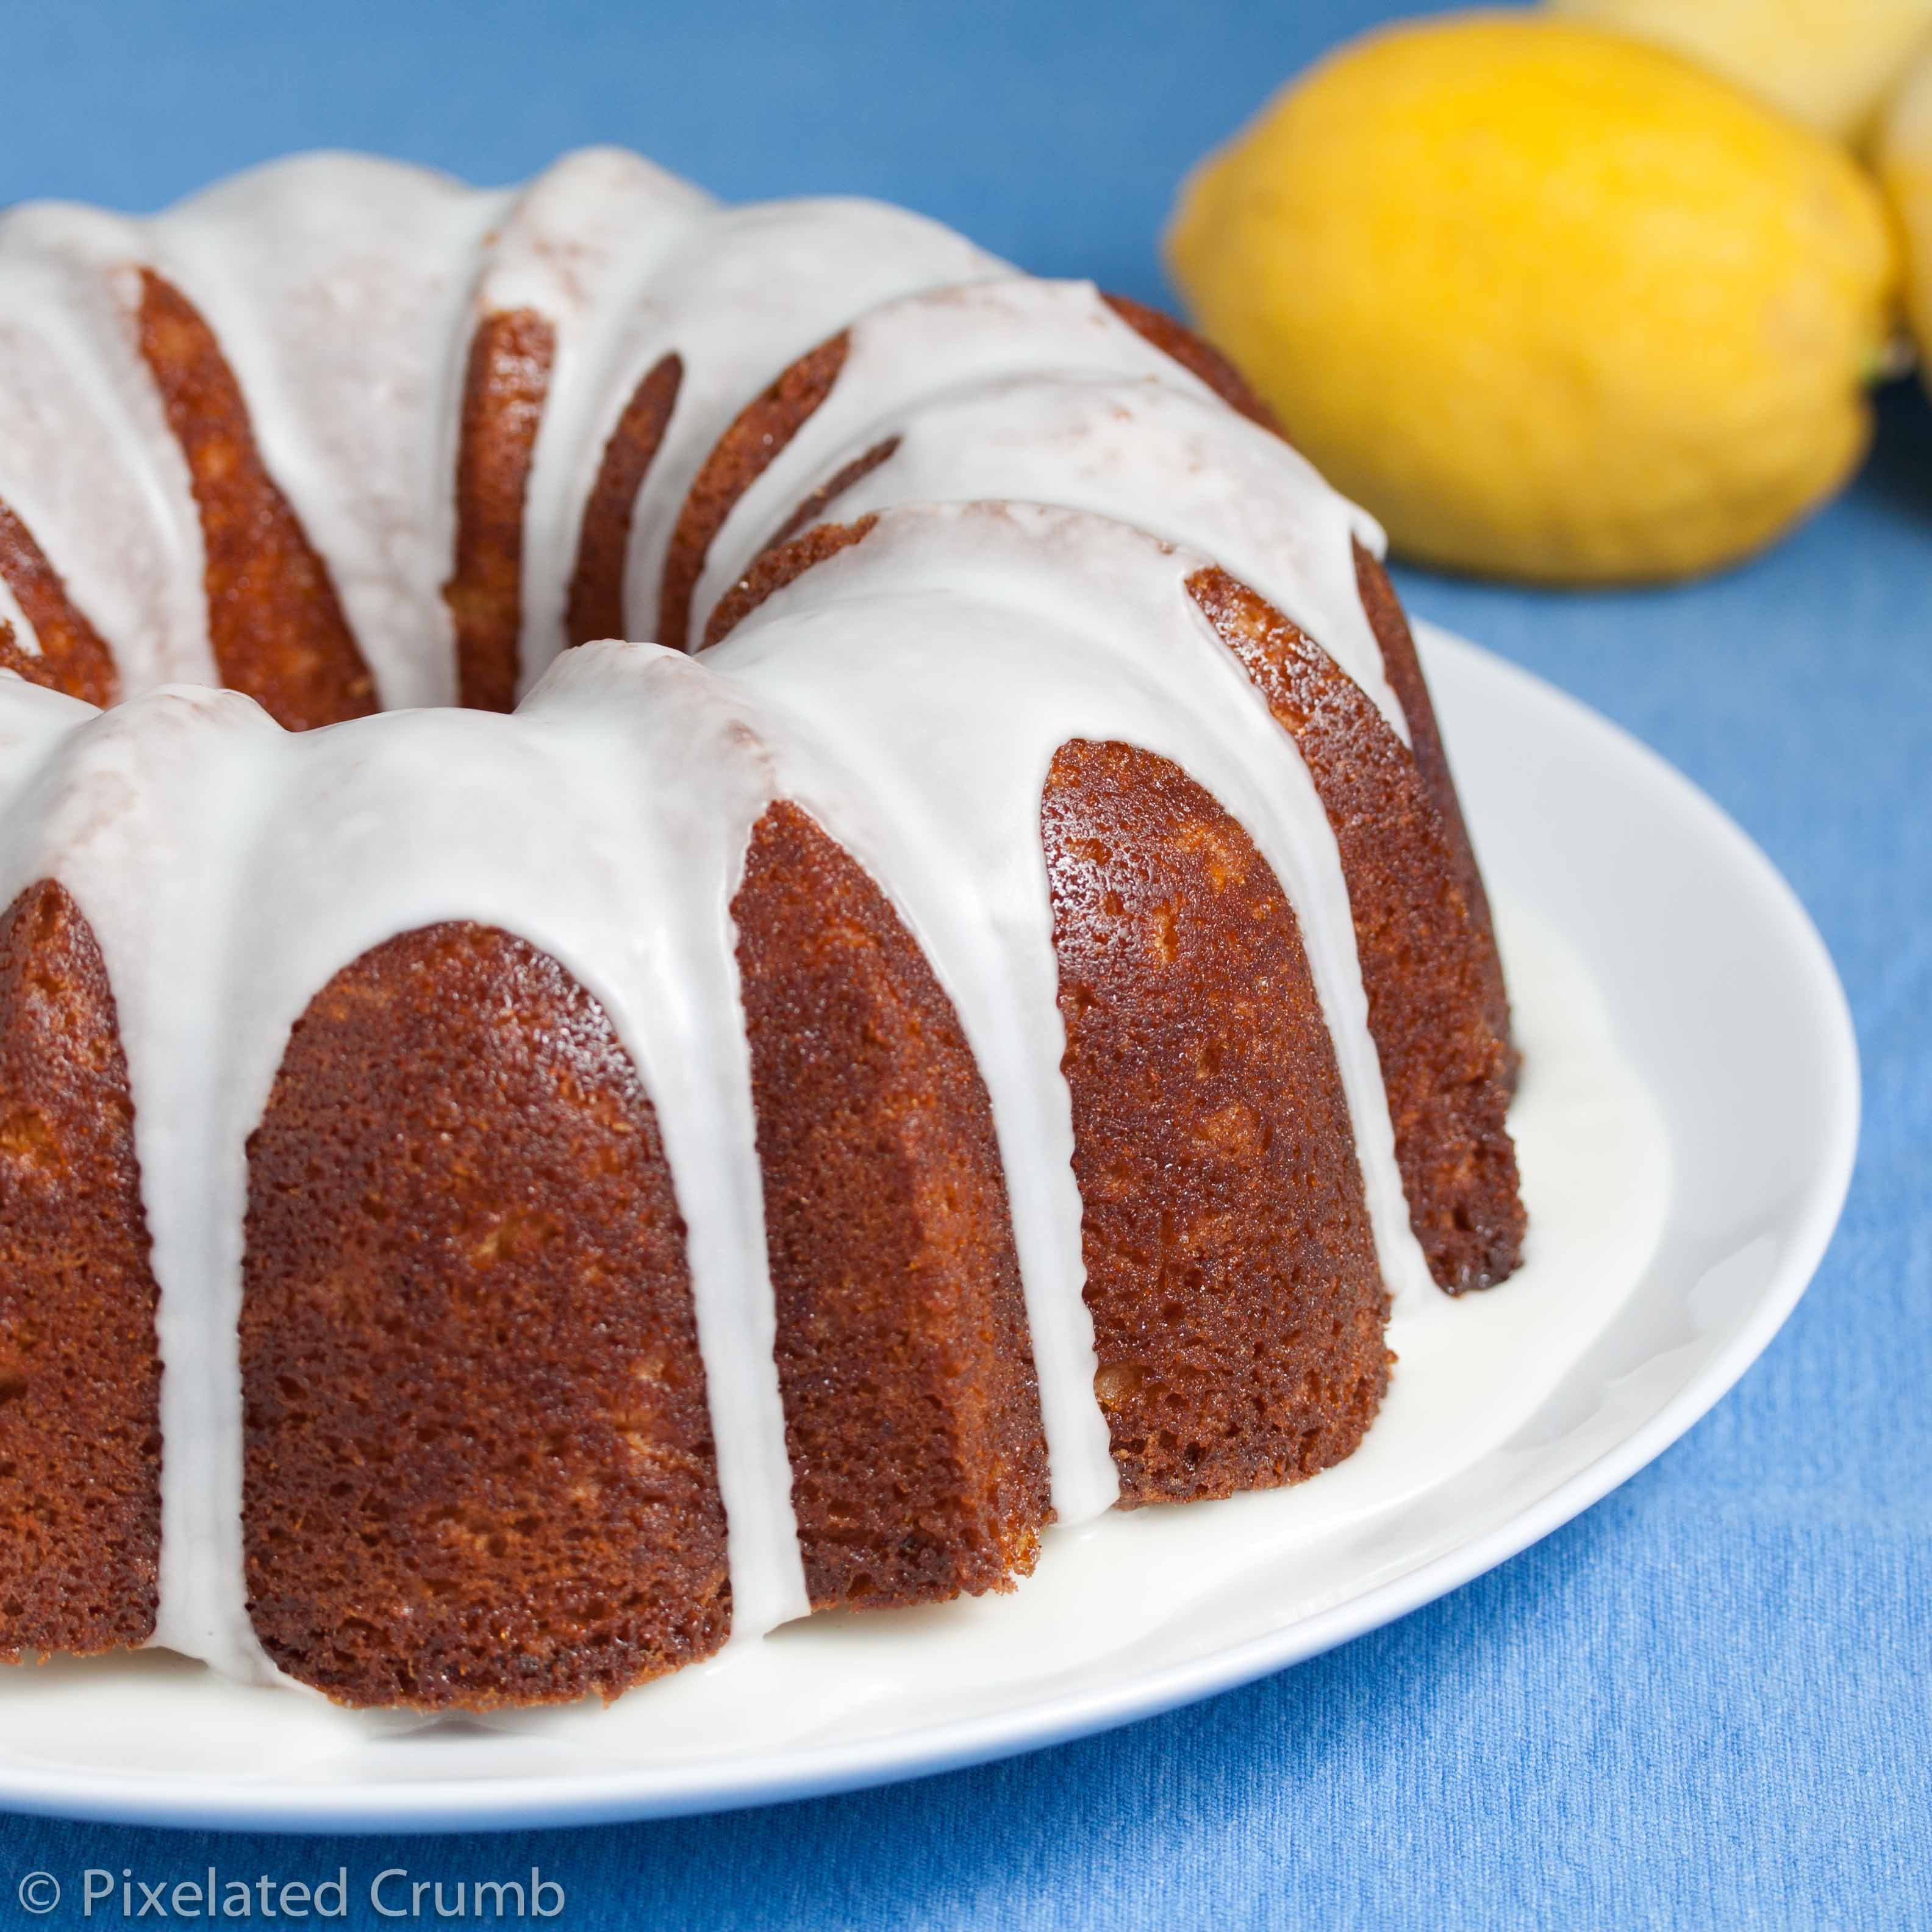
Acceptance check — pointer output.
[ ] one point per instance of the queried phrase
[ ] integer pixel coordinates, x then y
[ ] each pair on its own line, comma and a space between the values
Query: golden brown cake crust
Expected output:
274, 620
73, 657
596, 606
1422, 954
1403, 669
912, 1413
80, 1505
478, 1467
815, 506
1238, 1302
507, 380
742, 454
776, 566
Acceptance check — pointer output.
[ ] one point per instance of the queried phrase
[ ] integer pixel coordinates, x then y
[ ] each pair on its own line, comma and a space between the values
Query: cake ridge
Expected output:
1124, 654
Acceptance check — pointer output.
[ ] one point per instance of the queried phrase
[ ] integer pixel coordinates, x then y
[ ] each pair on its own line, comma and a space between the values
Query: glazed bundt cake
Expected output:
968, 1029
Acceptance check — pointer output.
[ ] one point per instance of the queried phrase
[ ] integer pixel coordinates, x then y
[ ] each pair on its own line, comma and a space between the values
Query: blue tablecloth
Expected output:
1707, 1701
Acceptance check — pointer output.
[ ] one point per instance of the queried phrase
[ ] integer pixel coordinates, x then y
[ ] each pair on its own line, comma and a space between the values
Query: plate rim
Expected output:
224, 1802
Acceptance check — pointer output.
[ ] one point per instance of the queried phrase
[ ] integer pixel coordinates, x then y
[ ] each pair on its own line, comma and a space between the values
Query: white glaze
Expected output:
750, 291
87, 462
26, 638
584, 248
337, 286
911, 693
1154, 450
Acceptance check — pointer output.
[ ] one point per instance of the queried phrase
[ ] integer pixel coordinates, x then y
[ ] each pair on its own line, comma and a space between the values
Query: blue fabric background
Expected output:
1706, 1702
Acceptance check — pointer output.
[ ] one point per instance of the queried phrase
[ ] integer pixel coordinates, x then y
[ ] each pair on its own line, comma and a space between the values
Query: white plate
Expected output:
1686, 1125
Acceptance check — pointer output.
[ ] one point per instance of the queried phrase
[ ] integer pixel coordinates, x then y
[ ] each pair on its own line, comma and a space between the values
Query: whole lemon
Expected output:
1554, 303
1905, 166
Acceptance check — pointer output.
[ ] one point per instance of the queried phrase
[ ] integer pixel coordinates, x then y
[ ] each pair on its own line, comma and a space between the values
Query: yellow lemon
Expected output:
1831, 62
1905, 166
1553, 303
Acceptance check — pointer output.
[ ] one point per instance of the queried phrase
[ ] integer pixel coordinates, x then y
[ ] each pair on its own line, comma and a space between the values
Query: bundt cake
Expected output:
970, 1027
